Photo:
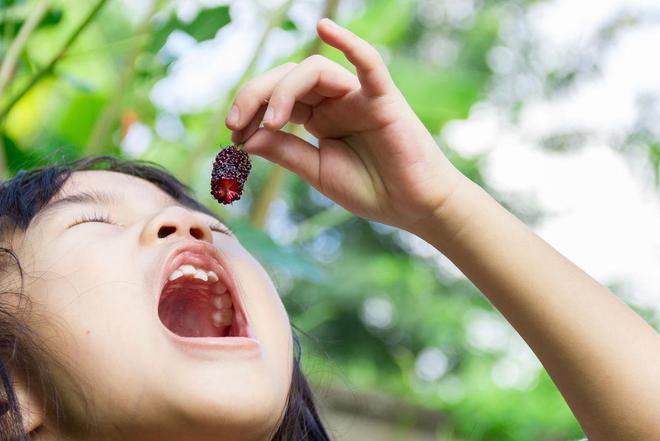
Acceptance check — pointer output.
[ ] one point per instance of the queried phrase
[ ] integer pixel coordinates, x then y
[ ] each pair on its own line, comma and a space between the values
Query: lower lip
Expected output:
232, 344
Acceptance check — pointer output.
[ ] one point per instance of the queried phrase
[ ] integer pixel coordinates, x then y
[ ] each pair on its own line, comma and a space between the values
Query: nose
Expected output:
173, 223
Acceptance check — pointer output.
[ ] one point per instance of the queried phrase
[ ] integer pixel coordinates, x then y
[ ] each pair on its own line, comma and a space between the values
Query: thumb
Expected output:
287, 150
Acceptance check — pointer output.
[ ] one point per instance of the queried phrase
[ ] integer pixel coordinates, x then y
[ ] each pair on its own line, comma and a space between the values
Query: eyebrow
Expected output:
85, 197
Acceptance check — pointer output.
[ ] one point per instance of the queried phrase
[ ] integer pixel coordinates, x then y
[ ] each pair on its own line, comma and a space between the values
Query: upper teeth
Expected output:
197, 273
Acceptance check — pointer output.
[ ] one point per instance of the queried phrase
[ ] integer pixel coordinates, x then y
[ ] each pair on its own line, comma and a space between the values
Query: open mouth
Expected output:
196, 301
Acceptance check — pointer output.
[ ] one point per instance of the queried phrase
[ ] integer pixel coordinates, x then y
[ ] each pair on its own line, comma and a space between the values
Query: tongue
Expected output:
188, 314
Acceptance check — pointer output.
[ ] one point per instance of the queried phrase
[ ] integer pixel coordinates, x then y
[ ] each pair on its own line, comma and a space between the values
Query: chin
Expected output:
238, 399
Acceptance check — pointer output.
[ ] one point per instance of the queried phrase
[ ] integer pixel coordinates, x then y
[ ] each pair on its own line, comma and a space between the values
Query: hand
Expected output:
375, 157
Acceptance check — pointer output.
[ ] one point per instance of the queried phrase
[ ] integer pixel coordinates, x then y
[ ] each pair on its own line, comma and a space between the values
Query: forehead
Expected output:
130, 187
107, 188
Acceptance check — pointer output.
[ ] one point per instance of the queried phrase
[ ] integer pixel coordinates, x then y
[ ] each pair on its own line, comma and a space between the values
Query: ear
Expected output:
31, 410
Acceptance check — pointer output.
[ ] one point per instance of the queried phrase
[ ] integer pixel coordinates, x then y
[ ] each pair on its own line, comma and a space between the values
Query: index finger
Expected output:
374, 77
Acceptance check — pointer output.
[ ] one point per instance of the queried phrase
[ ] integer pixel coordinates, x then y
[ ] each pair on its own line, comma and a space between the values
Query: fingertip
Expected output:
272, 125
271, 118
233, 118
332, 34
235, 137
328, 24
327, 28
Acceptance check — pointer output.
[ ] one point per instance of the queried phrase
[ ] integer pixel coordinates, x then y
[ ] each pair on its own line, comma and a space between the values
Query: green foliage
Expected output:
14, 22
386, 23
18, 159
329, 266
436, 96
275, 256
203, 27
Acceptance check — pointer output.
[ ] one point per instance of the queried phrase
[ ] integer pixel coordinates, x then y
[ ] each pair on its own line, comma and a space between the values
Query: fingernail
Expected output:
232, 118
234, 137
269, 115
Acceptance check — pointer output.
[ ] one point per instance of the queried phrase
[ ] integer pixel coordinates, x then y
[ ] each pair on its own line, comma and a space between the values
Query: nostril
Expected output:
197, 233
165, 231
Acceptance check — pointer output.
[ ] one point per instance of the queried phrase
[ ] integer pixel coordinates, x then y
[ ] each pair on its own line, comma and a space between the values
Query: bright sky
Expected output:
603, 211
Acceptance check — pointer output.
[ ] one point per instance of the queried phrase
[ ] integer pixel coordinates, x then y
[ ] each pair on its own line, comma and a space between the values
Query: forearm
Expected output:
603, 357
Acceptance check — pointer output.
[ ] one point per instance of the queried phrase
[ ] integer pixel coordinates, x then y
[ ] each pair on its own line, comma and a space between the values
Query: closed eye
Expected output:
221, 229
92, 217
104, 218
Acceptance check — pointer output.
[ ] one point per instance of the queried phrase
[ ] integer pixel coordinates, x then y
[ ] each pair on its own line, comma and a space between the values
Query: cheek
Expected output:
266, 314
75, 322
81, 287
87, 310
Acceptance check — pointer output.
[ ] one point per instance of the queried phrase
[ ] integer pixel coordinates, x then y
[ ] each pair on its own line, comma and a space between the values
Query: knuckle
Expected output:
248, 86
278, 97
242, 98
374, 55
290, 65
316, 59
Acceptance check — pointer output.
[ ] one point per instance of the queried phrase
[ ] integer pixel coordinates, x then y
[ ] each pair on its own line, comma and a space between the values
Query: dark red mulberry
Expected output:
230, 171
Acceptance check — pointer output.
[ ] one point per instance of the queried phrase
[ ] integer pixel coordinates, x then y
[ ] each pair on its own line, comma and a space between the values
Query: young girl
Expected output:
130, 312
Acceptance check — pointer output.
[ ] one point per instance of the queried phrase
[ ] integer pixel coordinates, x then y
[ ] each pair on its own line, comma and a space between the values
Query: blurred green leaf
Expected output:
77, 118
203, 27
289, 25
654, 157
10, 3
80, 84
207, 23
435, 95
52, 18
16, 157
385, 22
274, 255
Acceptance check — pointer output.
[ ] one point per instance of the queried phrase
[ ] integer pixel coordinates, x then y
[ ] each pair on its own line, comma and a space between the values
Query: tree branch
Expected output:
214, 128
53, 62
270, 189
16, 47
314, 225
104, 124
9, 66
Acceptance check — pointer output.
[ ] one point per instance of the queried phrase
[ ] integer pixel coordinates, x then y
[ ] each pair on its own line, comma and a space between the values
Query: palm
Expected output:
371, 157
375, 157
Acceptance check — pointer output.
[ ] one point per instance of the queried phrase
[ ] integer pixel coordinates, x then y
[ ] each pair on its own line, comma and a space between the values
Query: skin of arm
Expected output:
377, 159
603, 357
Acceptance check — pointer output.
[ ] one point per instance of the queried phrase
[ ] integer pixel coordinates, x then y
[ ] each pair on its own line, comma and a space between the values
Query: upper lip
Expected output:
213, 261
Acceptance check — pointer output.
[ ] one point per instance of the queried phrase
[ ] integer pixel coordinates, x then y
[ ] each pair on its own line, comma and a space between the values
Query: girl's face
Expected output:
95, 289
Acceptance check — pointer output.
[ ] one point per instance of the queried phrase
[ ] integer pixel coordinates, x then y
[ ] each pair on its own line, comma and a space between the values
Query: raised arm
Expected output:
602, 356
376, 159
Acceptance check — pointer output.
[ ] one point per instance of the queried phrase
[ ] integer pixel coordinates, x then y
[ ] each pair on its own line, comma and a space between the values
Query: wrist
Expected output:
451, 215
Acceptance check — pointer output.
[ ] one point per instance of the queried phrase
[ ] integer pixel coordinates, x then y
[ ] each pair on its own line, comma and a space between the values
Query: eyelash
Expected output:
93, 217
104, 218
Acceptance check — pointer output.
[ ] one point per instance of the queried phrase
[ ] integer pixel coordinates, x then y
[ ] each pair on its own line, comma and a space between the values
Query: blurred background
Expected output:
552, 106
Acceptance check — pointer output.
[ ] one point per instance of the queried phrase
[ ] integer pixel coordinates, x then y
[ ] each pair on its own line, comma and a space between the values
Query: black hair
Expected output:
21, 198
